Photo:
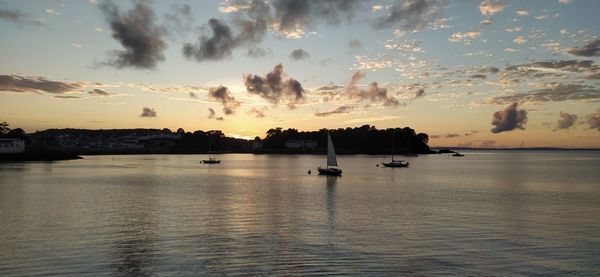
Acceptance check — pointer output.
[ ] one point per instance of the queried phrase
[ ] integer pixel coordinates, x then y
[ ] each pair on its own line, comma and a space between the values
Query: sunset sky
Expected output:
468, 73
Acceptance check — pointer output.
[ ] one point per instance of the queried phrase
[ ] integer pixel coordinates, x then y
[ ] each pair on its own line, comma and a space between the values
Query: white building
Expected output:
11, 146
300, 144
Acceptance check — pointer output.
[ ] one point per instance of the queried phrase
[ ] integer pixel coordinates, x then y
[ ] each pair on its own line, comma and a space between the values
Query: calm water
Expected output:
489, 213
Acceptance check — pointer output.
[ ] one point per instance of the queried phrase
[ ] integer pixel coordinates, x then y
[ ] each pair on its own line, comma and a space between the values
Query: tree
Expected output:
423, 137
4, 128
16, 133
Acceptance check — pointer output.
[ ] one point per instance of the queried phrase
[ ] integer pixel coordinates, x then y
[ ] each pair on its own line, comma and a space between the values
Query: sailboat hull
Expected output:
396, 164
211, 161
330, 171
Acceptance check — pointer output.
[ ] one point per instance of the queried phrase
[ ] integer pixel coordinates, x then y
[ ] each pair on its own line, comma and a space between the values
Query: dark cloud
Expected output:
138, 34
18, 17
292, 14
452, 135
509, 119
479, 76
179, 20
220, 118
590, 49
193, 95
211, 113
67, 97
258, 113
299, 54
338, 110
253, 23
330, 87
223, 95
553, 92
148, 112
99, 92
355, 44
274, 88
216, 47
566, 120
410, 14
419, 93
372, 93
562, 65
252, 27
256, 52
593, 120
489, 69
33, 84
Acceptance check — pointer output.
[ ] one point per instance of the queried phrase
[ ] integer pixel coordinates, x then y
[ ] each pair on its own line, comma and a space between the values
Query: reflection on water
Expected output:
489, 213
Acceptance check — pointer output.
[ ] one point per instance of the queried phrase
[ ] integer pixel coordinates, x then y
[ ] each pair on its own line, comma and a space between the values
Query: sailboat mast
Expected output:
392, 146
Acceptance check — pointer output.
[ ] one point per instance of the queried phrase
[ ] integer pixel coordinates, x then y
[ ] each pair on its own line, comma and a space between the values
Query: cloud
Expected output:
211, 113
590, 49
566, 120
252, 26
509, 119
520, 40
290, 15
52, 12
137, 32
99, 92
373, 93
67, 97
18, 18
148, 112
216, 47
552, 92
593, 120
419, 93
258, 113
452, 135
193, 95
338, 110
556, 66
491, 7
355, 44
36, 84
223, 95
565, 2
179, 20
522, 12
299, 54
410, 14
274, 88
256, 52
465, 37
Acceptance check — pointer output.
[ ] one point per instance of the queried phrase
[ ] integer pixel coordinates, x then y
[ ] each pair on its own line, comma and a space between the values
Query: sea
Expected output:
491, 212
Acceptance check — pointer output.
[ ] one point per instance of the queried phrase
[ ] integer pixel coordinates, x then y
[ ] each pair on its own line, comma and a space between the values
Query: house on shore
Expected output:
300, 144
11, 146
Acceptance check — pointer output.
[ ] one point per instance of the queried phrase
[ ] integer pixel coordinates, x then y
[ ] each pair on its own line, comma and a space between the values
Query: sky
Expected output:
467, 73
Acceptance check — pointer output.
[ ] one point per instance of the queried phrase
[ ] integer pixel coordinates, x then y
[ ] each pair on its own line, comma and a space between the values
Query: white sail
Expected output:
331, 159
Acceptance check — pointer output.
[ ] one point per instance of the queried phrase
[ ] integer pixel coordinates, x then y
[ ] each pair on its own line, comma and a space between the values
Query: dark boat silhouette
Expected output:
332, 166
395, 163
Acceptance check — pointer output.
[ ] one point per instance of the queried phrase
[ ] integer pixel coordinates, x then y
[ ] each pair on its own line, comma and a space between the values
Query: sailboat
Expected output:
332, 166
395, 163
210, 160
